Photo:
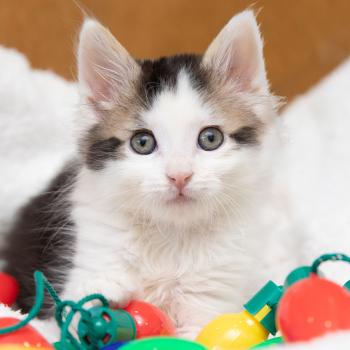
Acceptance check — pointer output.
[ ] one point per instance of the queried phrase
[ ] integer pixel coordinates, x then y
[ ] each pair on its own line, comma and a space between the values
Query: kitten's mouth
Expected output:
181, 198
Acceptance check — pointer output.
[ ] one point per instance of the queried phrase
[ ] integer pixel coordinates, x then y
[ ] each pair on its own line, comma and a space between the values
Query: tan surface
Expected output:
304, 38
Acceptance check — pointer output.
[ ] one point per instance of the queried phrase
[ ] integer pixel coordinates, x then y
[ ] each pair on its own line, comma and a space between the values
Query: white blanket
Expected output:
36, 119
36, 114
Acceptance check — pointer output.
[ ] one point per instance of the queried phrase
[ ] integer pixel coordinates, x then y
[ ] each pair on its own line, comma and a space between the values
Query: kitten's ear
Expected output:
106, 70
236, 54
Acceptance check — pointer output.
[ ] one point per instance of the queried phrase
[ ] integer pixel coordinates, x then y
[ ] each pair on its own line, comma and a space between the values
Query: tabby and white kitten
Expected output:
172, 161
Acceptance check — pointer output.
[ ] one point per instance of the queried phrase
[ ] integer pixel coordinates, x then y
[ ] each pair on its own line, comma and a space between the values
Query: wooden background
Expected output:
304, 39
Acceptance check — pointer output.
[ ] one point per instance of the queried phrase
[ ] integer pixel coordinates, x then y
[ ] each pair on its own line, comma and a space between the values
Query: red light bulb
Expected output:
9, 289
150, 320
312, 307
26, 336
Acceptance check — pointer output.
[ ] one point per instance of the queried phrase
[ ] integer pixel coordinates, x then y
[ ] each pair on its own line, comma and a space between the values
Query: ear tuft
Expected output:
105, 69
236, 54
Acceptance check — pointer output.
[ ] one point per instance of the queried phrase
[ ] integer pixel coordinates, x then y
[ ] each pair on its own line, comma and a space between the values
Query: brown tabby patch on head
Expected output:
103, 141
236, 109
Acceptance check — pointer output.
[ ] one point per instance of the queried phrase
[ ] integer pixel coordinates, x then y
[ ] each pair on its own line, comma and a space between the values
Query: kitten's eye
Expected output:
143, 142
210, 139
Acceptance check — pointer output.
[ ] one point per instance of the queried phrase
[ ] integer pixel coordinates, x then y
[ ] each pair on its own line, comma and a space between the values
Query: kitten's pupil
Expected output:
143, 141
211, 137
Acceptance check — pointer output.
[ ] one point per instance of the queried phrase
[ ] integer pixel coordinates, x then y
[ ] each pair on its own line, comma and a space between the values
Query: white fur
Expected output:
135, 240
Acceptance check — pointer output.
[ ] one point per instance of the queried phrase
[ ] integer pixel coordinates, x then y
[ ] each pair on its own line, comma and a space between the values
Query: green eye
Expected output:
210, 139
143, 142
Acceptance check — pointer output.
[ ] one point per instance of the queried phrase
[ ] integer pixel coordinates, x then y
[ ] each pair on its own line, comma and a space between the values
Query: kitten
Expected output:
171, 167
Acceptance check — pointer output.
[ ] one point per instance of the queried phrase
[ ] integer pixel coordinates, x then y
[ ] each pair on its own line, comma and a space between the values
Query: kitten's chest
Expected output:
164, 272
171, 268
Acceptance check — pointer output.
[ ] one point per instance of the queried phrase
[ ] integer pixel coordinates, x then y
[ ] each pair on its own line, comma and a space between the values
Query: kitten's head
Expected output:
177, 139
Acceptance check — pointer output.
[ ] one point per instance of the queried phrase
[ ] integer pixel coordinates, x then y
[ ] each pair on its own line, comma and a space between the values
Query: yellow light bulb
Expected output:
234, 332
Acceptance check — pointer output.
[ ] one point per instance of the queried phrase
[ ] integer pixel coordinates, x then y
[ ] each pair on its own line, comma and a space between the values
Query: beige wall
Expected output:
304, 38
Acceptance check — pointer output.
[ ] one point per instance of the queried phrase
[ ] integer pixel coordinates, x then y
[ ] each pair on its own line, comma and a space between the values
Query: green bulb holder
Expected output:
347, 285
296, 275
303, 272
106, 326
267, 297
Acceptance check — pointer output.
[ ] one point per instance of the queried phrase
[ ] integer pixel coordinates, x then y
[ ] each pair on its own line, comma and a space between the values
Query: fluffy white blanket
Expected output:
36, 116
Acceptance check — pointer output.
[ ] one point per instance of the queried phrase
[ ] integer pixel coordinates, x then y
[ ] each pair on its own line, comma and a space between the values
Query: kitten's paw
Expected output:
117, 296
114, 292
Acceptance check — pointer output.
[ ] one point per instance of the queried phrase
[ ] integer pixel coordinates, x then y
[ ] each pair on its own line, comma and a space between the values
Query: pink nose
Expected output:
180, 180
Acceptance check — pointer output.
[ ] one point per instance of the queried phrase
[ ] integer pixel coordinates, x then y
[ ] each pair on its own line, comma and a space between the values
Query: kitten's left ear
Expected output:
106, 71
236, 54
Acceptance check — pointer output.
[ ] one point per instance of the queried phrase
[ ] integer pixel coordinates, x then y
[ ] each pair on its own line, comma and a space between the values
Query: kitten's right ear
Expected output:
106, 71
236, 54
